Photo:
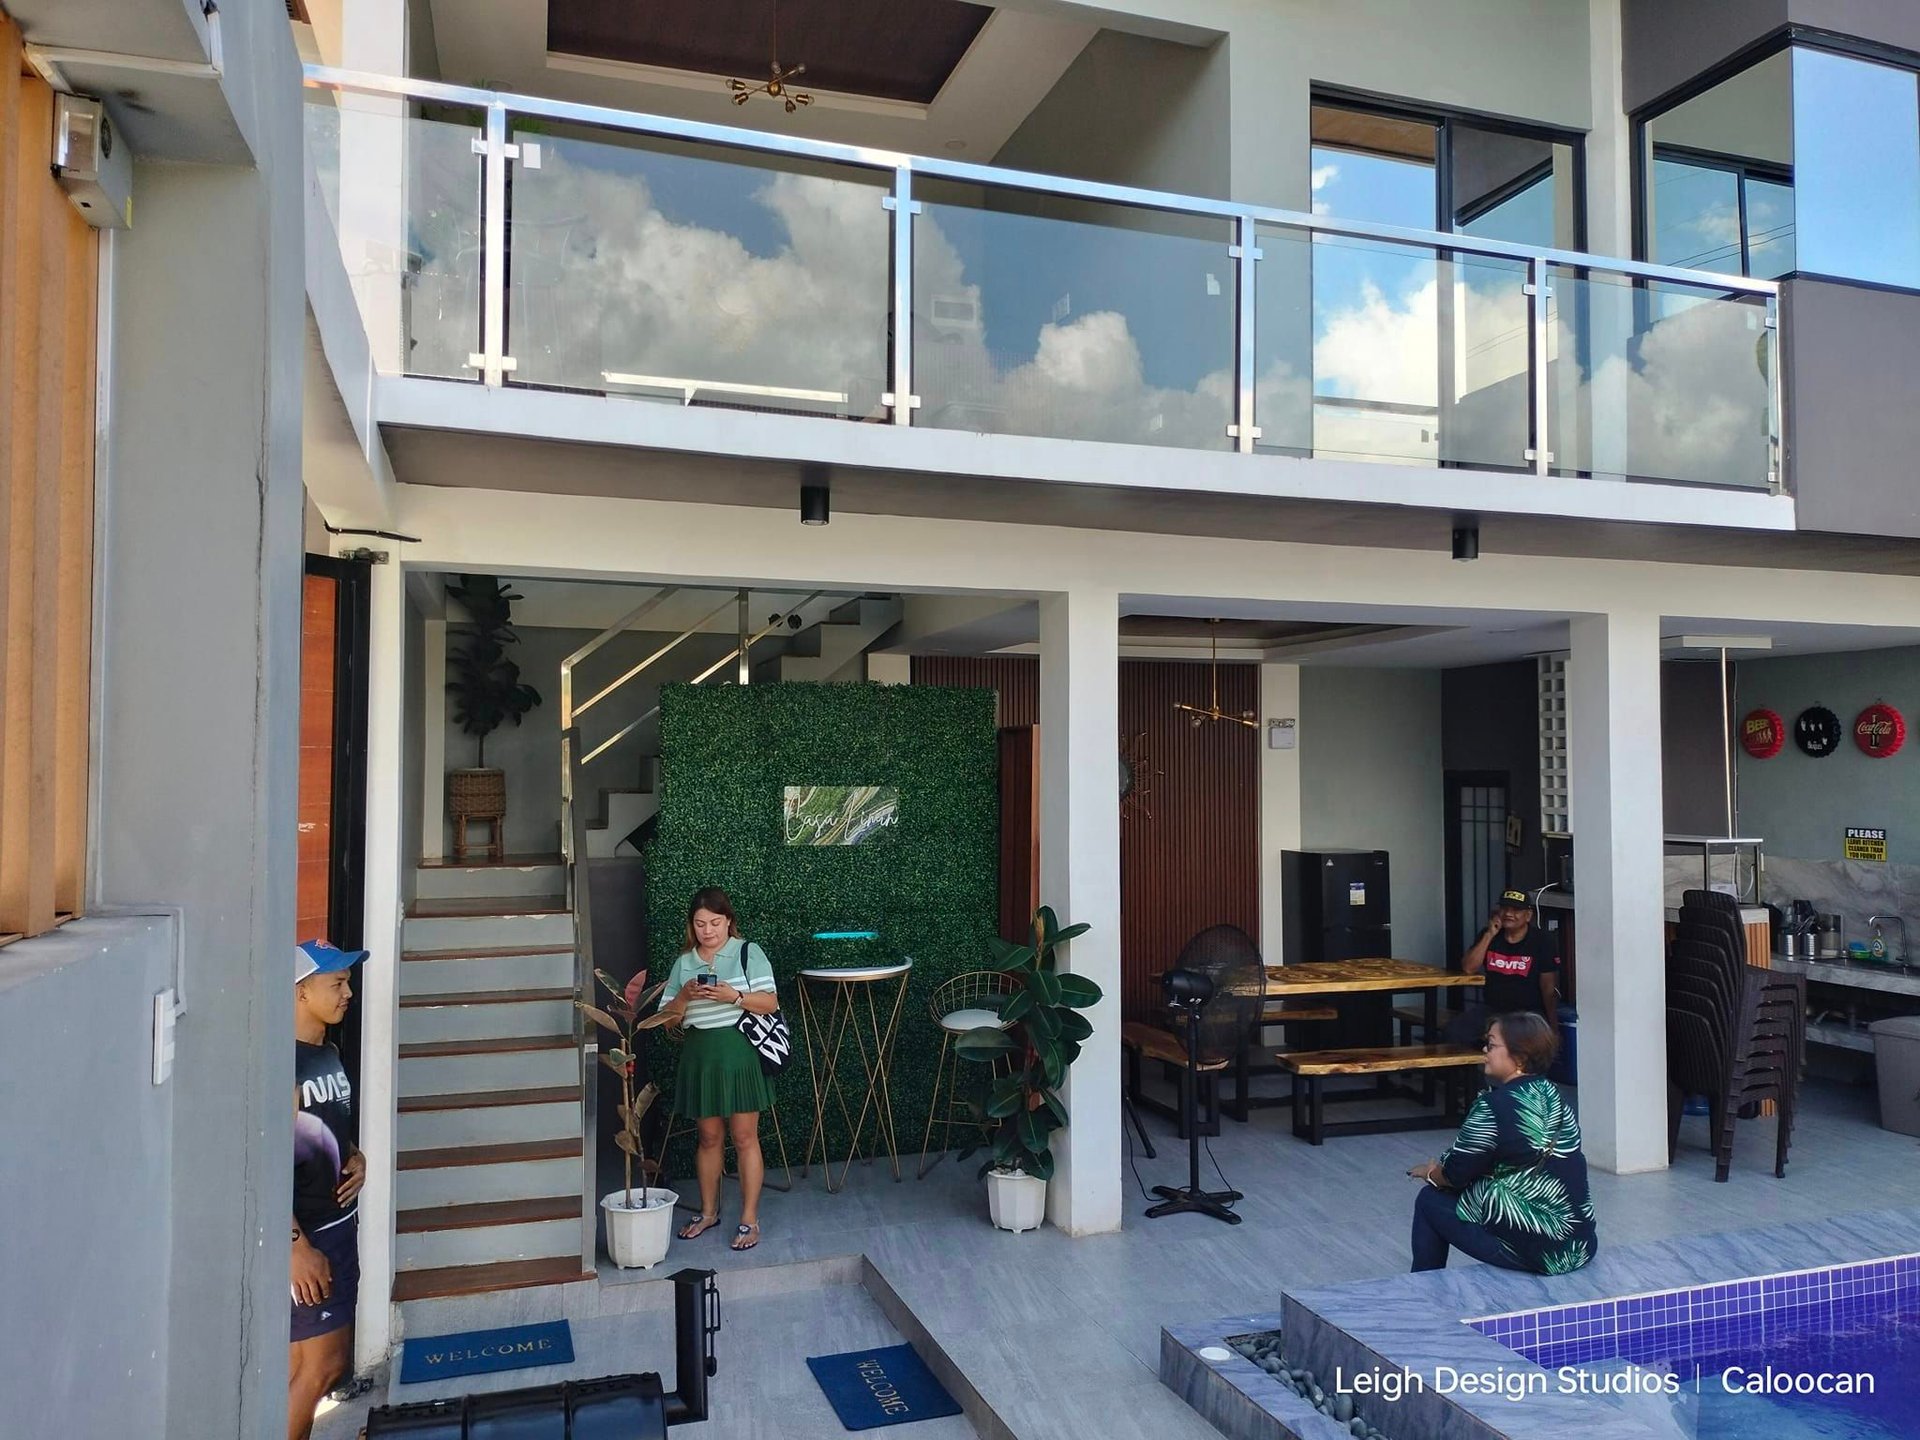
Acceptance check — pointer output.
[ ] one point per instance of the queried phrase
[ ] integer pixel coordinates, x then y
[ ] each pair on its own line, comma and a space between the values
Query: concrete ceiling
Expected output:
1007, 70
455, 458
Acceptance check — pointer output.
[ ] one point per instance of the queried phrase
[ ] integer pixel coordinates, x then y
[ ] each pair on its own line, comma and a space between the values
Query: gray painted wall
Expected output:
1666, 43
1891, 22
198, 572
1852, 426
88, 1181
530, 751
1370, 777
413, 708
1133, 111
1801, 806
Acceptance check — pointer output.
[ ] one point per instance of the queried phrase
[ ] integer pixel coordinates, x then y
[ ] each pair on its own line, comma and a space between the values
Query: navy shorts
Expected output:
341, 1245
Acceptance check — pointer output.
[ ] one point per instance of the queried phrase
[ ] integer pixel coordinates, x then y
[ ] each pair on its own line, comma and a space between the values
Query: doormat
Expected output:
479, 1352
889, 1386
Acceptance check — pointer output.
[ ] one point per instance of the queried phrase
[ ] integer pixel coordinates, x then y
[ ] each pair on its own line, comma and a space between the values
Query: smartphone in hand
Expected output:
706, 978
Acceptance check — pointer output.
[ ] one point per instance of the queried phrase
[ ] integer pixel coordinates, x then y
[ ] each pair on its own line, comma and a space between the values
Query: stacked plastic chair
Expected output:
1736, 1033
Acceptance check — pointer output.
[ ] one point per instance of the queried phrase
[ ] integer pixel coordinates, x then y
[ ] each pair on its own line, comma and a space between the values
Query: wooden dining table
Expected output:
1369, 976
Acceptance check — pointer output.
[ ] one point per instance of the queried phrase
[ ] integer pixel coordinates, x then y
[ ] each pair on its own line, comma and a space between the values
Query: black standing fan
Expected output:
1217, 989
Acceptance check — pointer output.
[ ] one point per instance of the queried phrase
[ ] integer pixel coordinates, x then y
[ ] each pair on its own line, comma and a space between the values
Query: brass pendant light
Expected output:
1213, 711
776, 86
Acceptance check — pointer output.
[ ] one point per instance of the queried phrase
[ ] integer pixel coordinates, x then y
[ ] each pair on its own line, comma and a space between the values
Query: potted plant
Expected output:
487, 693
1038, 1038
639, 1223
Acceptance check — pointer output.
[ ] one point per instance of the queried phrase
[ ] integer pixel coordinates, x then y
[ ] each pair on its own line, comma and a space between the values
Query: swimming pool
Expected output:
1830, 1353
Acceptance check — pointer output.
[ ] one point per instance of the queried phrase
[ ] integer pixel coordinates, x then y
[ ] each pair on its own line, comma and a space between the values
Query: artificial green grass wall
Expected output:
928, 885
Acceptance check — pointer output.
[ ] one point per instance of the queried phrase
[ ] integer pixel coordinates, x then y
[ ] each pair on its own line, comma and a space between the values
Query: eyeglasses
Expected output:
1490, 1045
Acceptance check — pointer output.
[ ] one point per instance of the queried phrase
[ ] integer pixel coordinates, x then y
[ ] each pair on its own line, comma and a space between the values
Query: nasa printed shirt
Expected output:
322, 1135
1514, 968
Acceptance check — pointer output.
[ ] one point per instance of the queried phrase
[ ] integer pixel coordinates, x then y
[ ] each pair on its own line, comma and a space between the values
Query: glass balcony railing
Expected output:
512, 241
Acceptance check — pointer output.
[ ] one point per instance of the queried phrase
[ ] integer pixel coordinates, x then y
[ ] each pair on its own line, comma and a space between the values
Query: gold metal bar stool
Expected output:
837, 1003
966, 1002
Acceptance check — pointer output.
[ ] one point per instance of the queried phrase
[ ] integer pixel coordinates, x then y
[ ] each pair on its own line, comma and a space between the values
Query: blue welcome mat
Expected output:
477, 1352
889, 1386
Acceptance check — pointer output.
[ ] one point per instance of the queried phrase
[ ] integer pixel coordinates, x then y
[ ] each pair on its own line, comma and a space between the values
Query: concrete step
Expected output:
485, 1014
428, 1122
487, 923
438, 1237
517, 875
508, 1063
472, 1174
442, 972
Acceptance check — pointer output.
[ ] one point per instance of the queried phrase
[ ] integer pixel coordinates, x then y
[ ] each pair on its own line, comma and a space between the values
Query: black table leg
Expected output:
1316, 1102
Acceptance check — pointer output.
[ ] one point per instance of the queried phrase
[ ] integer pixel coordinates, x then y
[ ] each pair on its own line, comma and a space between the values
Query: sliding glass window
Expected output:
1856, 128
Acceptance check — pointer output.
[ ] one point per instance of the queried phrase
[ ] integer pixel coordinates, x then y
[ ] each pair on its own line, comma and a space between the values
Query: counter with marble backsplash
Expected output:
1851, 889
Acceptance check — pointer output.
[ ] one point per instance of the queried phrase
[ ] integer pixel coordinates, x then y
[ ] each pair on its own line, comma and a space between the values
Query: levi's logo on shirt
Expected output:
1501, 963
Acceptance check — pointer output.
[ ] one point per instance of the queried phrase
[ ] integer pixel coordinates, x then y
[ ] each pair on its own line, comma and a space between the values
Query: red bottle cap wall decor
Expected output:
1763, 733
1879, 730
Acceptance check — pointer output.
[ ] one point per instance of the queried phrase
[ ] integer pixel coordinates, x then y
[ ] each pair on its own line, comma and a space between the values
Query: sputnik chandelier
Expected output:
776, 86
1212, 711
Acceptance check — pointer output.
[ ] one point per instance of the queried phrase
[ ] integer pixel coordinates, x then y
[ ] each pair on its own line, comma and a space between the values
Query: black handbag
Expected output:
771, 1038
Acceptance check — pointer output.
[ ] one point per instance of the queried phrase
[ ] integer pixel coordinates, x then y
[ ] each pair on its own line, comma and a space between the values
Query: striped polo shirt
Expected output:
740, 963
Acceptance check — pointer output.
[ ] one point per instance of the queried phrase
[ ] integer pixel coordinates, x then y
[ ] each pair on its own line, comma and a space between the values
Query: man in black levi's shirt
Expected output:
328, 1171
1521, 963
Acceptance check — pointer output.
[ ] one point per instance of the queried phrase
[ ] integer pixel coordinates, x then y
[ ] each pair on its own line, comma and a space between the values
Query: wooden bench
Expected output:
1141, 1042
1456, 1064
1408, 1019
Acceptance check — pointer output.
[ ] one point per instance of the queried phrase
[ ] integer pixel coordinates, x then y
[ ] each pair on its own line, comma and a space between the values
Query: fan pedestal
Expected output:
1179, 1200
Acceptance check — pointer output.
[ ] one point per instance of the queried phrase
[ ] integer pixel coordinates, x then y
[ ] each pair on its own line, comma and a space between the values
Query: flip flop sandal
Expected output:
694, 1229
749, 1233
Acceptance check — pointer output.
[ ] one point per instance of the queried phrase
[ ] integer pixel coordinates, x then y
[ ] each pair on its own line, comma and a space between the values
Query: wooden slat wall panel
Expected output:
1019, 831
319, 626
48, 270
1190, 854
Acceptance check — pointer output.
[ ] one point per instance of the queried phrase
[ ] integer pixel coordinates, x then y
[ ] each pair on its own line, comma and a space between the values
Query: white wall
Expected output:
1371, 777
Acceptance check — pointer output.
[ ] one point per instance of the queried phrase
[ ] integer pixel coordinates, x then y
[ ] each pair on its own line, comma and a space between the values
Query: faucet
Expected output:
1876, 920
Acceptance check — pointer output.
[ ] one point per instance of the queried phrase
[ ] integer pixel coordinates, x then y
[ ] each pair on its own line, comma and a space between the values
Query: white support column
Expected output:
380, 977
1080, 879
1279, 796
1613, 737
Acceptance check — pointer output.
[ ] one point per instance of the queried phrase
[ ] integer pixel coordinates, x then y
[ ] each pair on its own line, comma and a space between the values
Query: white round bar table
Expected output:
839, 1004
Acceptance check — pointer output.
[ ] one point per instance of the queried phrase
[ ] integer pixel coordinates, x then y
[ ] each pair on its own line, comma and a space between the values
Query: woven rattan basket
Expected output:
477, 793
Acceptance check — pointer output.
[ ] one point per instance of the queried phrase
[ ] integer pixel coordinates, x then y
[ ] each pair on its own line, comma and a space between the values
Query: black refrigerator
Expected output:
1336, 905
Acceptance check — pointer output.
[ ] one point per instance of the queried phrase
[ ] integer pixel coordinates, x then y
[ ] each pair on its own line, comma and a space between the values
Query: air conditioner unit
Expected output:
91, 164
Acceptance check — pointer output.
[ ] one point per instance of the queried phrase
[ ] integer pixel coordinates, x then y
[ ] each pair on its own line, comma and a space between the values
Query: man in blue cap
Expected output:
328, 1171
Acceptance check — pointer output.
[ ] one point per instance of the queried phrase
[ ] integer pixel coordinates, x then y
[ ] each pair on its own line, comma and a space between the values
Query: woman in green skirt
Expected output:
720, 1085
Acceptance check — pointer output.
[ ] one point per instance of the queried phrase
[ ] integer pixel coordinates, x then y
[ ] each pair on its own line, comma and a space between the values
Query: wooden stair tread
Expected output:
489, 1099
1158, 1044
487, 907
475, 1279
1385, 1060
510, 862
432, 1049
504, 952
485, 997
489, 1212
563, 1148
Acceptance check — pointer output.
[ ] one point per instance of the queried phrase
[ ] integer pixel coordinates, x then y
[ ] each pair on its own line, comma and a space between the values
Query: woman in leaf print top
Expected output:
1512, 1188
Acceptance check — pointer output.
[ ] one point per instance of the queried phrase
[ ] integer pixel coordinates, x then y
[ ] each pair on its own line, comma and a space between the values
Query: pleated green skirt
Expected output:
719, 1075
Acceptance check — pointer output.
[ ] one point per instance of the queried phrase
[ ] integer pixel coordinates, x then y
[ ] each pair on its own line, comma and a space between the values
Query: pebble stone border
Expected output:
1263, 1349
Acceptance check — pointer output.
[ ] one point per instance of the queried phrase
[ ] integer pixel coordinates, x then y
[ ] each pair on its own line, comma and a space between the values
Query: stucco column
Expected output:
380, 976
1613, 738
1279, 797
1080, 879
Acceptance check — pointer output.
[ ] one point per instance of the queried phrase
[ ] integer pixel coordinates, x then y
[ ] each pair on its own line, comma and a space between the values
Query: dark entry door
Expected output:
1476, 853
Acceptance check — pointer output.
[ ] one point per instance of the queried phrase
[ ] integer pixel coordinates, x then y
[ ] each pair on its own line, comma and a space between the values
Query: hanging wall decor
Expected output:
1879, 730
1817, 731
1763, 733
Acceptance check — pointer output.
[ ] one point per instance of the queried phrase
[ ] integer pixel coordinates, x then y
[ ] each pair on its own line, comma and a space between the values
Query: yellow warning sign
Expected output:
1864, 844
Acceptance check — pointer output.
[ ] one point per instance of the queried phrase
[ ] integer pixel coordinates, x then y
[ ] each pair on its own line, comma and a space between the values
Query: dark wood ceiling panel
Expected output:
883, 48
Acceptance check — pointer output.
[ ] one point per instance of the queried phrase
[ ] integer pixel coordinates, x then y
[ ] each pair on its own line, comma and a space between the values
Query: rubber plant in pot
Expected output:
639, 1222
487, 693
1030, 1051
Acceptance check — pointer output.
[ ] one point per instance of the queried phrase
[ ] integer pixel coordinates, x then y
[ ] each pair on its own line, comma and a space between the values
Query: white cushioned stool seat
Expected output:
961, 1021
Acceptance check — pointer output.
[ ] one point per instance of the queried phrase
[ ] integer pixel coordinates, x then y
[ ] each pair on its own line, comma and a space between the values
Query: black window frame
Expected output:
1442, 118
1741, 168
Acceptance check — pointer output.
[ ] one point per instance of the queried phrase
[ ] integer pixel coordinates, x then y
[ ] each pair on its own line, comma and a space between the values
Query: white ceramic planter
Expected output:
637, 1239
1016, 1202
